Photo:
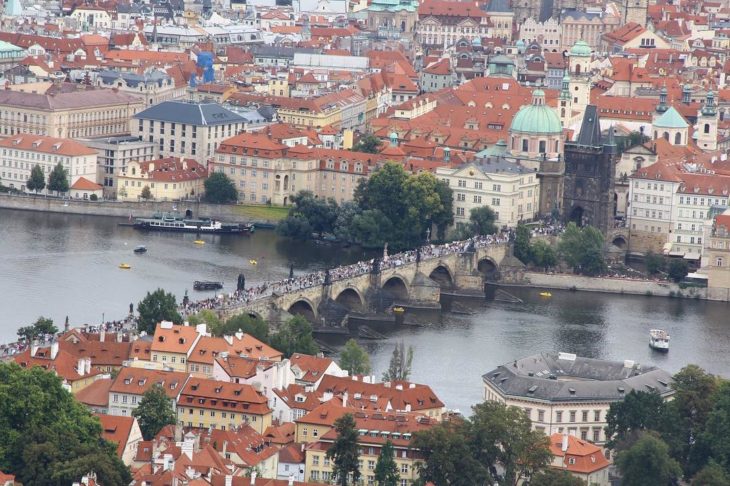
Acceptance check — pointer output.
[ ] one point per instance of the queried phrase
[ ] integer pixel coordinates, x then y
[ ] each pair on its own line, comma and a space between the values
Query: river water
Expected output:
57, 265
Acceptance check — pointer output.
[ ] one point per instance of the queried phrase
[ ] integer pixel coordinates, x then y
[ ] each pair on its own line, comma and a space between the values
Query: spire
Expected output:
709, 109
565, 91
662, 106
686, 94
590, 128
611, 142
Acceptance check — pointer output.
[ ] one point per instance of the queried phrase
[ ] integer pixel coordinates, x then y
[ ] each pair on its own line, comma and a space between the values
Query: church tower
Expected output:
579, 61
634, 11
565, 102
707, 121
590, 165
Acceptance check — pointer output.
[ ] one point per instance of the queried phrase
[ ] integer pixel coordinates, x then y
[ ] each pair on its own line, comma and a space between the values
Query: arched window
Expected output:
718, 261
678, 138
524, 145
577, 69
543, 146
557, 145
666, 136
707, 128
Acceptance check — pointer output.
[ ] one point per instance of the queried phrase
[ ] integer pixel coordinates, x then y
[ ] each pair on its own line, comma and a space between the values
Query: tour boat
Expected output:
125, 266
140, 249
175, 223
659, 340
207, 285
546, 294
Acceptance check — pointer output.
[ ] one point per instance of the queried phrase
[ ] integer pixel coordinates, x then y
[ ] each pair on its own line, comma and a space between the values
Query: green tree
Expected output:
157, 306
711, 475
552, 477
716, 435
503, 436
654, 263
371, 228
543, 255
40, 327
154, 412
678, 269
220, 189
213, 323
522, 243
146, 193
354, 359
482, 221
386, 469
344, 452
346, 214
58, 179
401, 360
638, 411
47, 438
582, 249
427, 202
255, 326
320, 215
295, 336
36, 181
369, 144
647, 462
294, 226
447, 456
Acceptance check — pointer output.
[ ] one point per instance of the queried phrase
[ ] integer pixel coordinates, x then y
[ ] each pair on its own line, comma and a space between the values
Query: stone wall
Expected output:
644, 242
225, 212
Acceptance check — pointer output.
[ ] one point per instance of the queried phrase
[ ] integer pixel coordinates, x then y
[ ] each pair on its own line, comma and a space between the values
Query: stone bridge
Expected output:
406, 284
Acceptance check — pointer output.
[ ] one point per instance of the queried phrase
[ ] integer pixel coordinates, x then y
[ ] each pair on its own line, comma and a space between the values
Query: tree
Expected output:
582, 249
551, 477
36, 181
354, 359
58, 179
716, 435
47, 437
156, 307
343, 229
255, 326
146, 193
319, 214
386, 469
482, 221
647, 462
427, 202
371, 228
220, 189
294, 226
295, 336
678, 269
654, 263
344, 452
711, 475
399, 368
503, 436
40, 327
522, 243
213, 323
543, 255
154, 412
369, 144
447, 456
637, 412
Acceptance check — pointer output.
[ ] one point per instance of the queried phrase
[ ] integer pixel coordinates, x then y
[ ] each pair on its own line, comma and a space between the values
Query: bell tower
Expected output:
707, 121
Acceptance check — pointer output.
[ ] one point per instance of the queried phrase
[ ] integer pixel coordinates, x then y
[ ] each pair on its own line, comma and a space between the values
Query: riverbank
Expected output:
613, 285
235, 213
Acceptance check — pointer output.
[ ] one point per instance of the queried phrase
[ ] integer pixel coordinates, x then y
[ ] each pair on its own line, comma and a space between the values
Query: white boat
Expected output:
659, 340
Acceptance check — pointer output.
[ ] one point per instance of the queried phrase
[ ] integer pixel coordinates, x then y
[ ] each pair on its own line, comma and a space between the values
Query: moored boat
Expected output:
207, 285
125, 266
140, 249
659, 340
175, 223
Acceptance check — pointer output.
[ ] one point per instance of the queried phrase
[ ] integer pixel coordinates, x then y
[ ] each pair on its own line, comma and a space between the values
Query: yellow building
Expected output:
208, 403
716, 256
168, 179
172, 344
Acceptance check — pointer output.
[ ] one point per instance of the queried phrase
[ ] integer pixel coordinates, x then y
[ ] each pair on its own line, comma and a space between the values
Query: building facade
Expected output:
114, 154
168, 179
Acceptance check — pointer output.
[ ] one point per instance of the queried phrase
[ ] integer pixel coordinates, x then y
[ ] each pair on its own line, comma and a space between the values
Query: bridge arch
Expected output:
487, 267
303, 307
351, 299
442, 275
620, 241
396, 286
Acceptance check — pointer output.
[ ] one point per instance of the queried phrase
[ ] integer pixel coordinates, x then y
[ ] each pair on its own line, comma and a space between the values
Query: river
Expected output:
56, 265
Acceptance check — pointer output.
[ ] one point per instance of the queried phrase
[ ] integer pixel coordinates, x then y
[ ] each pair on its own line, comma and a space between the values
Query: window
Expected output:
585, 415
596, 415
315, 460
596, 435
460, 211
404, 468
524, 145
541, 415
478, 199
495, 201
558, 417
462, 183
572, 415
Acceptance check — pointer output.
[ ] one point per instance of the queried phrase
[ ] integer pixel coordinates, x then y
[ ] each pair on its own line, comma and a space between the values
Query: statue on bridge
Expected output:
418, 254
470, 247
241, 284
291, 270
375, 269
327, 277
186, 300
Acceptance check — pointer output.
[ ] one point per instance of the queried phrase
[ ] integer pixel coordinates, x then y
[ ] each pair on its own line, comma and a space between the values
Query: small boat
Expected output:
140, 249
659, 340
207, 285
546, 294
125, 266
398, 310
199, 242
253, 262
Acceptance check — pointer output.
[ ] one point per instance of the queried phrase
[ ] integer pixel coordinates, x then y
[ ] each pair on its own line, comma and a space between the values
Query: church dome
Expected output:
581, 49
537, 118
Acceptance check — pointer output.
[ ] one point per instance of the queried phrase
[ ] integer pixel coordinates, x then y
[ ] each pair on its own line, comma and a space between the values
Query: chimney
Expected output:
33, 348
102, 335
119, 336
80, 367
229, 480
253, 477
87, 365
564, 445
291, 480
201, 328
187, 447
54, 349
168, 462
344, 399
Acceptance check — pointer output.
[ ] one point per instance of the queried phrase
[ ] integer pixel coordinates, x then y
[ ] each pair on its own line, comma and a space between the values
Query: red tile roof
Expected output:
47, 145
580, 457
220, 395
84, 184
96, 394
136, 381
116, 429
174, 339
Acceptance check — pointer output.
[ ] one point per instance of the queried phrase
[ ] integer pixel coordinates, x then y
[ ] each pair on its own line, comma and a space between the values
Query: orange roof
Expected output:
580, 457
281, 434
326, 413
225, 396
174, 339
241, 344
84, 184
136, 381
64, 365
313, 367
116, 429
140, 350
625, 33
96, 394
48, 145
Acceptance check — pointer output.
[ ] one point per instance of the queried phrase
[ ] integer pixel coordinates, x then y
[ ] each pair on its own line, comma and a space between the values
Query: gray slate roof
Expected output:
190, 113
547, 377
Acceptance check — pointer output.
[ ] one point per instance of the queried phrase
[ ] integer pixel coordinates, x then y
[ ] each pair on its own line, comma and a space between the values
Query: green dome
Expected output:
581, 49
536, 119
